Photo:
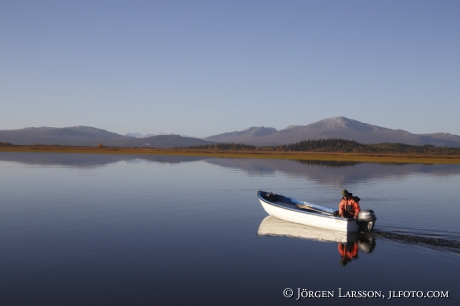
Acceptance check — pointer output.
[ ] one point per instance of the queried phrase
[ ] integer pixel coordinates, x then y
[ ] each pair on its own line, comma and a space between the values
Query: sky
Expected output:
202, 68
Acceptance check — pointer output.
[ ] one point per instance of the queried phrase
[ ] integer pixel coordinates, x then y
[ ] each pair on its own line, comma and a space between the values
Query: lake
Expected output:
93, 229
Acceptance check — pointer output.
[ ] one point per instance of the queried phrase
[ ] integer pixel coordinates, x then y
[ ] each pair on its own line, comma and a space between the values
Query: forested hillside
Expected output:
334, 145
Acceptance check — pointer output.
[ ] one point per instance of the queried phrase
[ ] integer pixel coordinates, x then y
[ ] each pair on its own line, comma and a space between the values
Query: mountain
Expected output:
246, 136
77, 135
90, 136
337, 127
159, 141
134, 135
139, 135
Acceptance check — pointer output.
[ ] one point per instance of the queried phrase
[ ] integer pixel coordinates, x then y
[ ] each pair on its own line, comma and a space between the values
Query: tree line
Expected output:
337, 145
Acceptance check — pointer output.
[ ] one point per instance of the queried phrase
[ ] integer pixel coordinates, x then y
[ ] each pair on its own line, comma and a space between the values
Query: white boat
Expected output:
272, 226
288, 209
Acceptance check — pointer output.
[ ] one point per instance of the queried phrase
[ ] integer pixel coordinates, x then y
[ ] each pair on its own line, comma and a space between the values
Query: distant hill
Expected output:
246, 136
90, 136
77, 135
139, 135
135, 135
160, 141
338, 127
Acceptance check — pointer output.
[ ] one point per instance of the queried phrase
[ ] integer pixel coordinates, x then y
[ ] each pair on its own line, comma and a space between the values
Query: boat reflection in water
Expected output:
349, 243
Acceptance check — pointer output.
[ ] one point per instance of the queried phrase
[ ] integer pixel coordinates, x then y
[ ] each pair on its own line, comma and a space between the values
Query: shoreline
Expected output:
318, 156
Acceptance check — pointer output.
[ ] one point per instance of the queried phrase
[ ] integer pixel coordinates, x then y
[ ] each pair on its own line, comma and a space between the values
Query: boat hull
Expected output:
287, 210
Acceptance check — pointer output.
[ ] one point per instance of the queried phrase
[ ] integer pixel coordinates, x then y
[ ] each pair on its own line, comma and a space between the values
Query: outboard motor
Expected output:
366, 220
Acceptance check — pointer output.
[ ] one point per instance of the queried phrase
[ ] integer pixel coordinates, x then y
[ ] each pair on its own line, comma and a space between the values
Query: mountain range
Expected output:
337, 127
90, 136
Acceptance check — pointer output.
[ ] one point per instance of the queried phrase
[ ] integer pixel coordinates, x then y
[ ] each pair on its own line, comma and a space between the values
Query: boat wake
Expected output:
436, 240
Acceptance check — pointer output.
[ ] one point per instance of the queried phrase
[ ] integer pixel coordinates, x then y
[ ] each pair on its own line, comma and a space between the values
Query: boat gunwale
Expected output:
299, 210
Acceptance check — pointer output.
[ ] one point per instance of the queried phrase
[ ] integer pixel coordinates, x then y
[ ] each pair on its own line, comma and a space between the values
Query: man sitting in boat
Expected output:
349, 206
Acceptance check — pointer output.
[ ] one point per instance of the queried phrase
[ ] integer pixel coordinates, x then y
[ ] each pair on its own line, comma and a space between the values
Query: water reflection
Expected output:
89, 160
272, 226
333, 173
349, 244
349, 251
329, 163
323, 172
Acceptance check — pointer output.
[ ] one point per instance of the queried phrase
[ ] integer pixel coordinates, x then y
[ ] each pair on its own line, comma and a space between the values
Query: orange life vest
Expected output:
349, 208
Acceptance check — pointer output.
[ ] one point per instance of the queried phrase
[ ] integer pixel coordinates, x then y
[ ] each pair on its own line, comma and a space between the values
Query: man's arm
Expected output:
357, 208
341, 207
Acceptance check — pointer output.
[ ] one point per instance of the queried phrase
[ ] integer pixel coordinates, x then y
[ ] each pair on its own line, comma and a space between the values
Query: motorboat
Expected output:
302, 212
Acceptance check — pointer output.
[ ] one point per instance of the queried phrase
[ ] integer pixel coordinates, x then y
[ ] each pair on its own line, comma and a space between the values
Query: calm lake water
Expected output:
153, 230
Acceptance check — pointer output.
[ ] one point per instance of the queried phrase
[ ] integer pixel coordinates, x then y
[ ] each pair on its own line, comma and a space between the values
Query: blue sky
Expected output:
206, 67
